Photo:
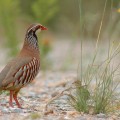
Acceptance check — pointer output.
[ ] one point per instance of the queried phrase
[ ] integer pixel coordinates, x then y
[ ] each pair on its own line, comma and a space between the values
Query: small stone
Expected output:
67, 117
5, 110
55, 94
32, 95
1, 107
16, 110
3, 102
27, 110
81, 118
60, 118
0, 113
64, 112
24, 114
114, 117
24, 99
101, 115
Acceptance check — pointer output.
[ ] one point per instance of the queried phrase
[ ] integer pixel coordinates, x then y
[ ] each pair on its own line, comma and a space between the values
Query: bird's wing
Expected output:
12, 68
4, 72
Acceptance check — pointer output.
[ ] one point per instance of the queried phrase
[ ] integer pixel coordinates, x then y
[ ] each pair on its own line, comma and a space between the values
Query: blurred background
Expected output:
60, 45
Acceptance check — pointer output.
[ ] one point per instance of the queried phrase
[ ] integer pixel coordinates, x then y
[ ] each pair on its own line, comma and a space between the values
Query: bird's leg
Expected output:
11, 96
16, 100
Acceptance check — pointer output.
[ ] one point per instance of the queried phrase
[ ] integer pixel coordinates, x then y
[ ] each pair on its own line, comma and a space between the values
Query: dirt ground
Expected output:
34, 98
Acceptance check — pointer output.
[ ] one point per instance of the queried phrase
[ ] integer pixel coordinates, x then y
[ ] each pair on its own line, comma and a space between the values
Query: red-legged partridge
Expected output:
22, 70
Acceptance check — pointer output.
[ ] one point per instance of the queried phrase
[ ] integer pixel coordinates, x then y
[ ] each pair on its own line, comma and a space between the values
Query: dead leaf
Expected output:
72, 113
49, 111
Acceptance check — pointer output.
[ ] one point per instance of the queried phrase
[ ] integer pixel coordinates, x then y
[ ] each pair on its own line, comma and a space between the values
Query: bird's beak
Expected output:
43, 28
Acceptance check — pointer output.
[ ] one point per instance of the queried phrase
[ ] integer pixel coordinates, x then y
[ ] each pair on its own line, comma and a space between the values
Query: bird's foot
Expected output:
11, 105
19, 106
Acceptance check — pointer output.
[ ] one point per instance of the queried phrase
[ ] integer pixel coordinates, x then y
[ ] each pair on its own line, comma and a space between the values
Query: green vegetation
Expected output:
35, 116
95, 90
40, 10
8, 22
44, 11
79, 100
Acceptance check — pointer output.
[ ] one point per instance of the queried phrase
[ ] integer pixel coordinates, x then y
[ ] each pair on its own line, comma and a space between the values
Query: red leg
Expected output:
16, 100
10, 101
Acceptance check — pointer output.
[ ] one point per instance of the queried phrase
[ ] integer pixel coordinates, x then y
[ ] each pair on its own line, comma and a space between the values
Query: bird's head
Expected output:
31, 37
35, 27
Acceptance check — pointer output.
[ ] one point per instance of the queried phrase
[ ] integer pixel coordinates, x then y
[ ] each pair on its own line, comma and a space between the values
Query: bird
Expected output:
22, 69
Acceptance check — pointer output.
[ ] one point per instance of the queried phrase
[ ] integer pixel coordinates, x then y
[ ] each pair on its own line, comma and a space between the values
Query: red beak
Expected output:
43, 28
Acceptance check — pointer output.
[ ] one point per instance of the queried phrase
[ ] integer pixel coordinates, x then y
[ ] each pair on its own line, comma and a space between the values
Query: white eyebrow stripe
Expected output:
34, 27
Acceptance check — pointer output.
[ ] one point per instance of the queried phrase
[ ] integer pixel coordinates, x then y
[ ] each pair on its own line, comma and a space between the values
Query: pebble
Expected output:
3, 102
54, 94
101, 115
81, 118
16, 110
5, 110
24, 99
114, 117
60, 118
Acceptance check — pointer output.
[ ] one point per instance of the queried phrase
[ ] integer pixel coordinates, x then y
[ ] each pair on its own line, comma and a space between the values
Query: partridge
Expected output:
20, 71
